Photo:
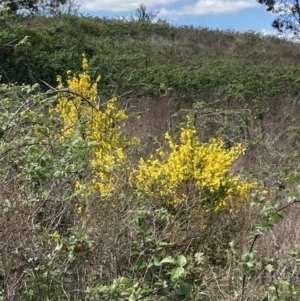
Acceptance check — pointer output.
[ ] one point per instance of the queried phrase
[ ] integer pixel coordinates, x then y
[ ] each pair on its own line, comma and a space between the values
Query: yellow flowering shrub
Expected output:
83, 116
187, 170
194, 169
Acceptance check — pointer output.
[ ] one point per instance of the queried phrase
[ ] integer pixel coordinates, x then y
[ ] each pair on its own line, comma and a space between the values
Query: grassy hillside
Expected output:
63, 239
188, 62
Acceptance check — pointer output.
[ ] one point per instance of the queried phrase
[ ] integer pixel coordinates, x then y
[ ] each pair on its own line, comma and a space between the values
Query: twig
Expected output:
256, 238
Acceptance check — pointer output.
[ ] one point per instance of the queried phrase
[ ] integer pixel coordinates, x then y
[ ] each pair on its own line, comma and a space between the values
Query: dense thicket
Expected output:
33, 6
151, 59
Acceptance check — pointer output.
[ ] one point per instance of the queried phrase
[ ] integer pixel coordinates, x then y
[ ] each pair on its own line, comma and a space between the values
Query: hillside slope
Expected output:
89, 212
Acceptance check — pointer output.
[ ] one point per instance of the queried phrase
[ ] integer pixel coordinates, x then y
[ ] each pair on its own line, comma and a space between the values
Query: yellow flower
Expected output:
56, 236
81, 115
204, 166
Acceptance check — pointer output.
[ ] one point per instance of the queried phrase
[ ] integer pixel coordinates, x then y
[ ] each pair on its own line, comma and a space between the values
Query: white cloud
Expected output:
120, 6
209, 7
268, 32
285, 36
200, 7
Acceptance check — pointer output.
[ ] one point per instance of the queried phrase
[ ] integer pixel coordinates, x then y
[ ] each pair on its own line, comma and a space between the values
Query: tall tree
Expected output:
144, 16
33, 5
288, 15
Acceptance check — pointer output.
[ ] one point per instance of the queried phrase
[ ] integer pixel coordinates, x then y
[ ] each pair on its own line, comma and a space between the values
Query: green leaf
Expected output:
184, 288
156, 263
43, 163
57, 174
201, 259
24, 41
181, 260
150, 265
92, 143
269, 268
276, 217
250, 264
162, 292
176, 273
168, 259
161, 283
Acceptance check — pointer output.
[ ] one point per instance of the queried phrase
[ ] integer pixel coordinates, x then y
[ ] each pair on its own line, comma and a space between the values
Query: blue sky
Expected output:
240, 15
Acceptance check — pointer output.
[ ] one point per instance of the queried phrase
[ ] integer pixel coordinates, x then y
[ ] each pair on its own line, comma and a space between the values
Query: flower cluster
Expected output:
83, 116
192, 168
